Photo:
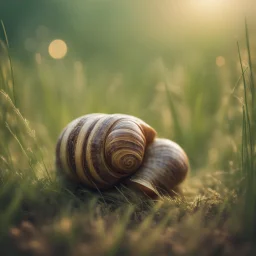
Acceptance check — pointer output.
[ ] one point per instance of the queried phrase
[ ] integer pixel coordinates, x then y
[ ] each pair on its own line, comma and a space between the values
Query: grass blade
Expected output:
176, 123
10, 62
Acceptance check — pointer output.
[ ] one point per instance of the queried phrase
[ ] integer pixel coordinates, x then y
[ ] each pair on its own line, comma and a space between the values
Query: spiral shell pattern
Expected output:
164, 168
99, 150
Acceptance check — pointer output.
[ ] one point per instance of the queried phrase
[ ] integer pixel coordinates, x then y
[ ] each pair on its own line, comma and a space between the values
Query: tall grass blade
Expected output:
250, 64
175, 117
10, 62
246, 104
248, 146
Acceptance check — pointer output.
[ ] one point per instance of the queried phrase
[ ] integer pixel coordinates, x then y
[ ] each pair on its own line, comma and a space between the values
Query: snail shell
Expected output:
100, 150
165, 166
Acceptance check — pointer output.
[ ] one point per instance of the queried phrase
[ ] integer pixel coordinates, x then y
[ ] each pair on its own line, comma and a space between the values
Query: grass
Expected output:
42, 216
248, 144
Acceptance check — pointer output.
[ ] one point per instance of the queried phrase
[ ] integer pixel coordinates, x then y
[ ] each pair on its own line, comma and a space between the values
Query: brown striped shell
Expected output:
100, 150
165, 166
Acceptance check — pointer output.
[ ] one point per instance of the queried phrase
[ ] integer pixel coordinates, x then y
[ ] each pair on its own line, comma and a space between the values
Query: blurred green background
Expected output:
172, 63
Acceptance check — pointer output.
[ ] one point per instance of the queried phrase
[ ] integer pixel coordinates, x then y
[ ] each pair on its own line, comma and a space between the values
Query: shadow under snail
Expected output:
101, 150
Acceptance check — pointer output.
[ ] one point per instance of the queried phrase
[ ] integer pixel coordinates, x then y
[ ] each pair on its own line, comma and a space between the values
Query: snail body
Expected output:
100, 150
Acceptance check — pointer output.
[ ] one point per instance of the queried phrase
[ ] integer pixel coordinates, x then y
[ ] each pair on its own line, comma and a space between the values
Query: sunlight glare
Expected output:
210, 7
209, 3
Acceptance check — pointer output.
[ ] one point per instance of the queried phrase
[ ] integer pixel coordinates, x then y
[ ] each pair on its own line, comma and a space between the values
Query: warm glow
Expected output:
210, 9
58, 49
220, 61
209, 3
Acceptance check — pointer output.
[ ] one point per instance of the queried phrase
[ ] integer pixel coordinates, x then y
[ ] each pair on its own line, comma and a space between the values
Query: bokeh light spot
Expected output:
220, 61
58, 49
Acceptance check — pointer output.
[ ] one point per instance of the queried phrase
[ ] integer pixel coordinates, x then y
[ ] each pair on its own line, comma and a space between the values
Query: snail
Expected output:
101, 150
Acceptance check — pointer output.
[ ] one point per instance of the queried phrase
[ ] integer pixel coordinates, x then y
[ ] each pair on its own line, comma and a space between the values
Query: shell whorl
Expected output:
99, 150
165, 166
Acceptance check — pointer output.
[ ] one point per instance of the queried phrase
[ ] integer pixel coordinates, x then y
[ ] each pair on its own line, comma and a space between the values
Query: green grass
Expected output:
248, 144
41, 215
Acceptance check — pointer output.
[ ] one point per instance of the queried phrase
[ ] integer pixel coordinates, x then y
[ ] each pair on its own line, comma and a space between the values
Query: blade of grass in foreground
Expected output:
248, 145
246, 104
30, 132
119, 232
